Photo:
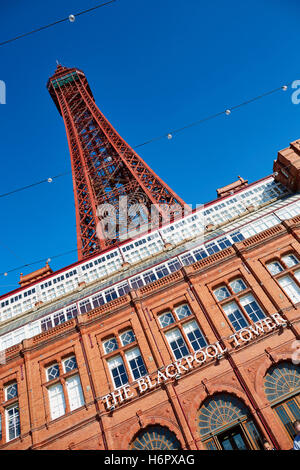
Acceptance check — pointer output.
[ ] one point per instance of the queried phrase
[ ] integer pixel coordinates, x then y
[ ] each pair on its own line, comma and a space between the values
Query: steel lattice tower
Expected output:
104, 166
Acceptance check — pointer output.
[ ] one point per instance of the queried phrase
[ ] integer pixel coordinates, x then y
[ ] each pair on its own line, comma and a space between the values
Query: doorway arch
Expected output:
225, 423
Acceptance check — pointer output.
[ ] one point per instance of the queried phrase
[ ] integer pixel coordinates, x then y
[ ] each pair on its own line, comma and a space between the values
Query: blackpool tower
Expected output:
104, 167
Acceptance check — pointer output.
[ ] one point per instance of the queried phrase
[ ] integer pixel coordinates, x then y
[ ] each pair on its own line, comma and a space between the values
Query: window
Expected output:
118, 371
110, 345
237, 285
166, 319
70, 364
177, 343
252, 308
71, 312
194, 335
174, 265
57, 401
136, 282
155, 438
11, 391
110, 294
12, 415
290, 288
136, 363
275, 267
127, 337
282, 389
53, 372
241, 309
161, 271
85, 306
98, 300
46, 324
221, 293
56, 392
289, 282
149, 277
59, 318
74, 392
235, 316
183, 311
290, 260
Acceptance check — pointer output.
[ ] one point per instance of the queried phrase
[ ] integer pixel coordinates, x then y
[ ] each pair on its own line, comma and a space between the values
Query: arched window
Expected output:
224, 423
155, 437
282, 388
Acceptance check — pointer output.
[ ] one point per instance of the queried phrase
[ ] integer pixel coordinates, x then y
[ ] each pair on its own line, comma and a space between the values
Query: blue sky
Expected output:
153, 66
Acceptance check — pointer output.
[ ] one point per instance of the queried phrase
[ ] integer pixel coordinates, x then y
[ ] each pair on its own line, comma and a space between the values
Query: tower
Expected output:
105, 168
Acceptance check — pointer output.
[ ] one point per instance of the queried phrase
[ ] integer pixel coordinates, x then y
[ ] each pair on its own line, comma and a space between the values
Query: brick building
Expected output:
177, 339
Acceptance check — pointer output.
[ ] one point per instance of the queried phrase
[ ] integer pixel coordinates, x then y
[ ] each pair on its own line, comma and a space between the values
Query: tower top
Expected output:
62, 76
107, 172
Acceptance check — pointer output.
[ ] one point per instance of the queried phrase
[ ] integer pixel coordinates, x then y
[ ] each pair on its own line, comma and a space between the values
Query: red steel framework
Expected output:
104, 166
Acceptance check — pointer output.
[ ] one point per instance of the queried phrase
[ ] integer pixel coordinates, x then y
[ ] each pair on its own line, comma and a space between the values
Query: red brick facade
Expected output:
173, 404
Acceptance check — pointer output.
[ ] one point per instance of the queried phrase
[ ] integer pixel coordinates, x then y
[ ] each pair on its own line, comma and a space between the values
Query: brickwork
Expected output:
174, 403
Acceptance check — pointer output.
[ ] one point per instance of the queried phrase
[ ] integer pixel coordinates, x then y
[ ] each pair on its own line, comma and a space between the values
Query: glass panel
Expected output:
57, 401
252, 308
127, 337
74, 392
166, 319
155, 438
221, 293
240, 444
13, 422
118, 371
70, 364
195, 335
53, 372
110, 345
11, 391
274, 268
290, 260
226, 444
177, 343
290, 288
183, 311
210, 445
281, 380
237, 285
235, 316
136, 363
286, 420
251, 428
218, 411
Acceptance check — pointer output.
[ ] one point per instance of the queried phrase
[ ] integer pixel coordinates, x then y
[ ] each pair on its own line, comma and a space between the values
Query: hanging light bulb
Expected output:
5, 274
227, 112
48, 260
72, 18
49, 180
169, 136
284, 87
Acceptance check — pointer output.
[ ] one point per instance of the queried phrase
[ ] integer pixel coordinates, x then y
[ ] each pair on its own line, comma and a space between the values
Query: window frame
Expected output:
61, 381
235, 298
179, 324
287, 271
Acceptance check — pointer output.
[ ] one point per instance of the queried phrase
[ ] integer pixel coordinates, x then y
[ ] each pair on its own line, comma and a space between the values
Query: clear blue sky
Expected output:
153, 66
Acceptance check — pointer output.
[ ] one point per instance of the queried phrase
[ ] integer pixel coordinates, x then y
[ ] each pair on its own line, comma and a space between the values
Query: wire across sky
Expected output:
169, 135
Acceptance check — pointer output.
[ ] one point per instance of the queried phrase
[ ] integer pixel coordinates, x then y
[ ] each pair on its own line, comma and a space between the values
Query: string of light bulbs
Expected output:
169, 135
70, 18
